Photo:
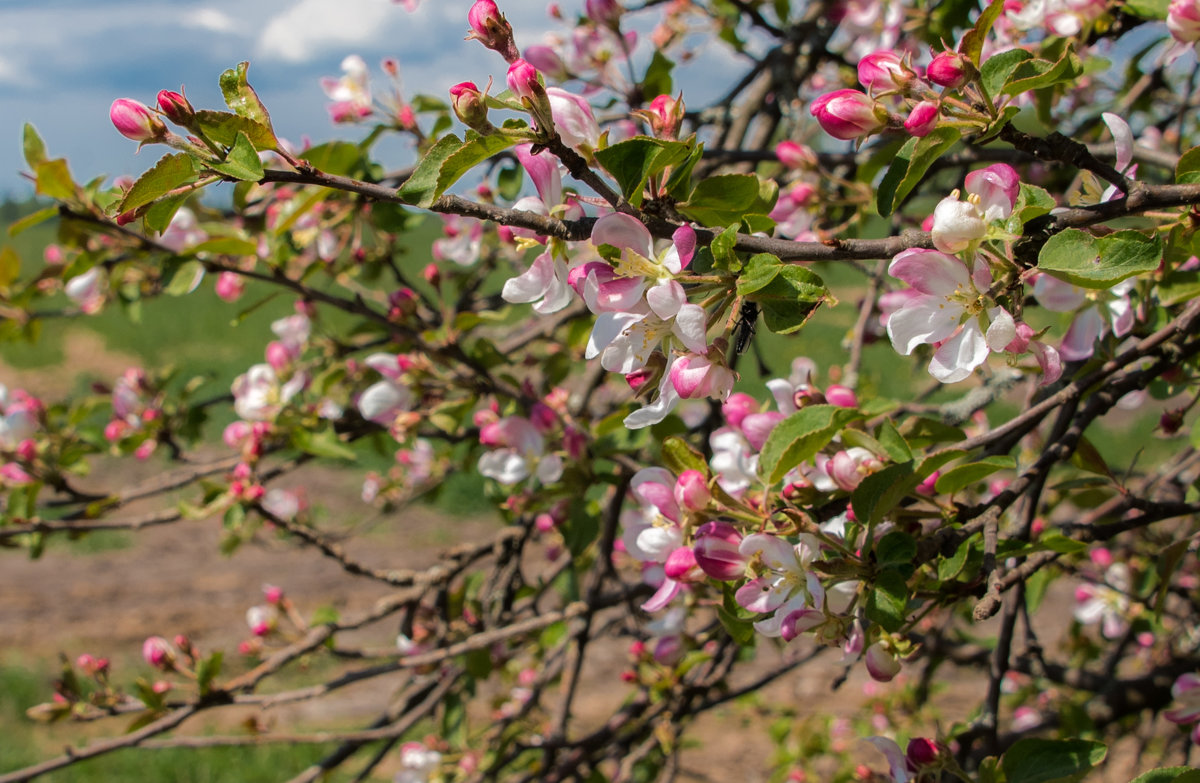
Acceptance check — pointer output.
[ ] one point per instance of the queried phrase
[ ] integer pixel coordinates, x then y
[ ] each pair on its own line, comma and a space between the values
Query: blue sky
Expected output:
62, 62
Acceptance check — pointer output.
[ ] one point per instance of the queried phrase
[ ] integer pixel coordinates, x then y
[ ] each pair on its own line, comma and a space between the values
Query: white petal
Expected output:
958, 357
926, 319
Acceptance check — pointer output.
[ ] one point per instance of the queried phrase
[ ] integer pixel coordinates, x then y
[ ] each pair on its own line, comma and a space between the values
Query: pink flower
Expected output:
848, 114
883, 71
948, 69
695, 376
691, 491
468, 105
573, 119
490, 28
176, 107
881, 664
523, 79
1183, 20
997, 187
1186, 705
351, 95
229, 286
135, 121
87, 290
159, 653
715, 545
606, 13
795, 156
922, 119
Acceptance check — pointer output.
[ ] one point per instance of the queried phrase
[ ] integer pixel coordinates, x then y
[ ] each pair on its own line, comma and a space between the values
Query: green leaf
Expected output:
1088, 457
723, 254
896, 548
207, 670
1162, 775
54, 179
679, 184
184, 278
31, 220
420, 189
242, 98
728, 198
10, 267
1083, 260
1187, 170
223, 128
170, 172
972, 41
963, 476
581, 528
788, 294
741, 631
634, 161
658, 77
888, 601
1147, 9
335, 157
880, 492
33, 146
474, 151
678, 455
226, 246
1032, 760
322, 443
1038, 74
893, 442
799, 437
910, 165
1032, 202
241, 162
1057, 542
950, 567
159, 214
995, 72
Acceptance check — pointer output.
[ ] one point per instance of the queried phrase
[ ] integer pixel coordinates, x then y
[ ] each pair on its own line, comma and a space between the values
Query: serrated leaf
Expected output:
1187, 170
799, 437
1057, 542
950, 567
420, 188
159, 214
887, 602
1033, 760
241, 162
241, 97
963, 476
54, 179
893, 442
1032, 202
723, 254
634, 161
223, 128
678, 455
896, 548
170, 172
33, 147
474, 151
1088, 457
335, 157
1083, 260
910, 165
322, 443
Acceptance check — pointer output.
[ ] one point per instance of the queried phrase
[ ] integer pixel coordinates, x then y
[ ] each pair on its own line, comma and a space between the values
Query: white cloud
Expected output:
210, 19
10, 73
313, 26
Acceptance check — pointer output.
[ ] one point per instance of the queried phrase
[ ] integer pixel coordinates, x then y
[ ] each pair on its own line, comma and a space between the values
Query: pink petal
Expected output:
625, 232
929, 271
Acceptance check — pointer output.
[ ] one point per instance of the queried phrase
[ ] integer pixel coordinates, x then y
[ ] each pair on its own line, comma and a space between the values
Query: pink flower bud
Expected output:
27, 450
490, 28
948, 69
229, 286
664, 116
922, 752
882, 71
469, 107
881, 664
176, 107
841, 396
795, 156
604, 13
848, 114
922, 119
737, 407
1183, 20
144, 450
716, 550
691, 491
681, 565
236, 434
273, 593
278, 356
159, 653
134, 121
757, 426
523, 81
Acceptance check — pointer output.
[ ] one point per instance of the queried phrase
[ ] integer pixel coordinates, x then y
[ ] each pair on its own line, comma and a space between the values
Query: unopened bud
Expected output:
490, 28
469, 107
176, 108
948, 69
135, 121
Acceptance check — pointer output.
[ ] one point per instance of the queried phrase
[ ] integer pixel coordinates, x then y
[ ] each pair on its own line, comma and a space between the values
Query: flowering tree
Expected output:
1020, 183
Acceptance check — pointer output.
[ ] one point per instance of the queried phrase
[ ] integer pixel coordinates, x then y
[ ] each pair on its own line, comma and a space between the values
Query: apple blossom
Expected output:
351, 94
848, 114
883, 71
176, 108
922, 119
470, 108
948, 69
1183, 20
135, 121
